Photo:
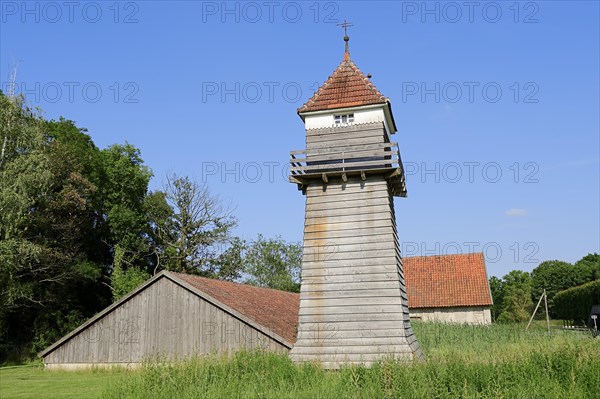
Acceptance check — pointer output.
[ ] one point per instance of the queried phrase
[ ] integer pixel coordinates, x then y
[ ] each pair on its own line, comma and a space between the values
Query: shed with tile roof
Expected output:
172, 316
448, 288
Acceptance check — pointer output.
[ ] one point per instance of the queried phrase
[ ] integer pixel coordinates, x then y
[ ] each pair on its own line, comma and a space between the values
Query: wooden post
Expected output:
535, 310
546, 304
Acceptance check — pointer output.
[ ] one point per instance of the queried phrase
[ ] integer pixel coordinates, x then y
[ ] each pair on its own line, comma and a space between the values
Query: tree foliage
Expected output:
590, 266
555, 276
79, 229
194, 229
515, 294
65, 205
273, 263
124, 280
516, 297
497, 290
20, 129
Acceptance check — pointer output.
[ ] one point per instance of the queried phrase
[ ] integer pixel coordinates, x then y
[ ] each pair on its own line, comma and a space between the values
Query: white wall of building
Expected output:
458, 315
360, 116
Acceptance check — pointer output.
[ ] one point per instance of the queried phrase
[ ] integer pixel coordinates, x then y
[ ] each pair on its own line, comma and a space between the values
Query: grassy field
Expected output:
501, 361
33, 382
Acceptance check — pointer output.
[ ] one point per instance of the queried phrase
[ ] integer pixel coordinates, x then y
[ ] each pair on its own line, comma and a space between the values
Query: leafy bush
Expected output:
575, 303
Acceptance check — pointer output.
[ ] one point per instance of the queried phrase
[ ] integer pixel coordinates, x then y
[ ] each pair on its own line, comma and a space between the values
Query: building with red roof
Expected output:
175, 315
448, 288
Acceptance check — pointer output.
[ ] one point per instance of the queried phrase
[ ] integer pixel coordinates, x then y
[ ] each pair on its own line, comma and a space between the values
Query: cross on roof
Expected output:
345, 25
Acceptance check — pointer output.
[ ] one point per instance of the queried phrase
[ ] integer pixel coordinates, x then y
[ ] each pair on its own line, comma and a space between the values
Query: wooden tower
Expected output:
353, 304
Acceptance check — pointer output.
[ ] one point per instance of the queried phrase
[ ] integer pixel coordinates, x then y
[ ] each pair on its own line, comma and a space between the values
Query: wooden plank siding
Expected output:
353, 302
165, 320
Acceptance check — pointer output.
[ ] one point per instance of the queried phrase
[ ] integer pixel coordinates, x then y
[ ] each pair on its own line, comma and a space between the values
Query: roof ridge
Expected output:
234, 282
443, 255
368, 82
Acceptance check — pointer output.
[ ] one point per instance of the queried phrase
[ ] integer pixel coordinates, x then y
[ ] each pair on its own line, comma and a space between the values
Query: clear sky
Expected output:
496, 103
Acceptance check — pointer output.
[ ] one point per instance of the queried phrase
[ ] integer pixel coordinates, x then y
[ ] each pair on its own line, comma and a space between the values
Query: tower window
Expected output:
343, 119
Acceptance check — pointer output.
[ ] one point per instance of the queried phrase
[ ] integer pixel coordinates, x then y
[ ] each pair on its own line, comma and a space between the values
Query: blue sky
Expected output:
496, 103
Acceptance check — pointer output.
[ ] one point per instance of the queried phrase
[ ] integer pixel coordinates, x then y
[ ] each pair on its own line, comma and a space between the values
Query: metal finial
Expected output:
346, 25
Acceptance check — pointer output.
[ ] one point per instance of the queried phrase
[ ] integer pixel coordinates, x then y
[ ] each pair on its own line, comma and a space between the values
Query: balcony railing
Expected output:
364, 159
351, 158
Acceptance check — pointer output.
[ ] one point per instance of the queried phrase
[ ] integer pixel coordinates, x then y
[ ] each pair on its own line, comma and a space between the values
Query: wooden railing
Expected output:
350, 158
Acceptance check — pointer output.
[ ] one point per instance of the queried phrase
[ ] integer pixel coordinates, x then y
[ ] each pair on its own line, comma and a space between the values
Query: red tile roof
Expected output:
446, 281
346, 87
273, 309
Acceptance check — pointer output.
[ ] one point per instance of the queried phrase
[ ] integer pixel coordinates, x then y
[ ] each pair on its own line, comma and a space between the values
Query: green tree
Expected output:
117, 218
66, 208
124, 280
47, 275
497, 289
21, 128
79, 145
589, 266
194, 236
555, 276
161, 230
229, 263
516, 303
274, 263
123, 193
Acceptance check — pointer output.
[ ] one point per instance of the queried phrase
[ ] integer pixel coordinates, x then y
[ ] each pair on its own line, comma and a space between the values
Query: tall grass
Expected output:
500, 361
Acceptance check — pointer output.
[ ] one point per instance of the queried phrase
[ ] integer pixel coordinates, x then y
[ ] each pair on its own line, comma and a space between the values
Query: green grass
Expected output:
500, 361
34, 382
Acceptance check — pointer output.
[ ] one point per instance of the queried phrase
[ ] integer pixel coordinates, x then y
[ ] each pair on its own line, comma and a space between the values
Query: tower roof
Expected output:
346, 87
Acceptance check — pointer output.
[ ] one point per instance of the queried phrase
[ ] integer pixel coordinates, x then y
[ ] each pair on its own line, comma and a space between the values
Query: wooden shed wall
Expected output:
164, 319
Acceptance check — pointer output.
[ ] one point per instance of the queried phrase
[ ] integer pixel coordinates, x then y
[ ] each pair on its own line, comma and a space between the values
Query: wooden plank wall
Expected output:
351, 135
353, 303
164, 320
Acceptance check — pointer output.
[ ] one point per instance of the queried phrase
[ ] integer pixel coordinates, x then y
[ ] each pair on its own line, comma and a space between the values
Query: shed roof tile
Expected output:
446, 281
273, 309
